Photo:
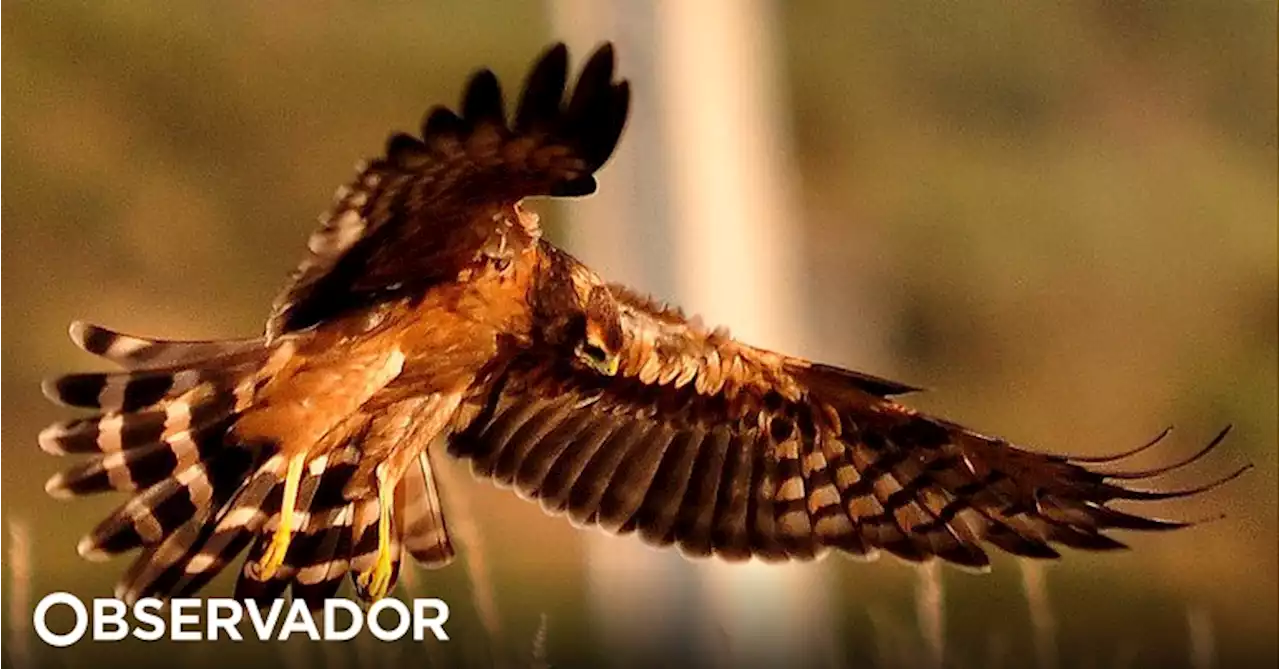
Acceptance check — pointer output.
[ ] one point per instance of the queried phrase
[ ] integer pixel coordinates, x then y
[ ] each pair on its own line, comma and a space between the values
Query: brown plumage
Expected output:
431, 309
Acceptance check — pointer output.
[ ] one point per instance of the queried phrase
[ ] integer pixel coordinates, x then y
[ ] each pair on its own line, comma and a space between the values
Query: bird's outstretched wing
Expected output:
423, 210
728, 450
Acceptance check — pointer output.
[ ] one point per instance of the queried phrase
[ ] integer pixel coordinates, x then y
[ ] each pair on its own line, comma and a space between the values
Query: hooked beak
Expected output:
610, 366
599, 360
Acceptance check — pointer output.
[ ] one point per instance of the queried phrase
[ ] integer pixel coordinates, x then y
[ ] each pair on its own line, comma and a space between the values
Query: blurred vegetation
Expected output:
1066, 213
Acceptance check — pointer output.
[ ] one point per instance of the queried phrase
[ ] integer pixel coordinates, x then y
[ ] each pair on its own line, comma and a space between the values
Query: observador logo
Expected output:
216, 618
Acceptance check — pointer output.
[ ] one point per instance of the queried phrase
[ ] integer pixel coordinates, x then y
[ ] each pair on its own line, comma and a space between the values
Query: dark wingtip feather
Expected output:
594, 83
836, 378
402, 147
967, 556
597, 110
602, 60
1013, 543
1164, 469
1103, 459
442, 122
591, 122
543, 94
584, 185
1153, 495
482, 102
1085, 539
1116, 491
603, 136
1111, 518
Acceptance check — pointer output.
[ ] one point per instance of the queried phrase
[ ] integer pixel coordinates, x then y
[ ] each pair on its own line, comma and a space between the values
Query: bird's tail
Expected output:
199, 496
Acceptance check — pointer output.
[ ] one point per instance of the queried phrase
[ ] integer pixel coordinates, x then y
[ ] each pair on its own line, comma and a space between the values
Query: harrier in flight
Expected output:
430, 308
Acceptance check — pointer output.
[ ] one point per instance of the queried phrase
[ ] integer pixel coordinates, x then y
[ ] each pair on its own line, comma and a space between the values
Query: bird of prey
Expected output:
430, 308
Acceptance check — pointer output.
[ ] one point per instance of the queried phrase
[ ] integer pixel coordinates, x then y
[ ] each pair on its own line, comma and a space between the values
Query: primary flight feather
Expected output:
430, 308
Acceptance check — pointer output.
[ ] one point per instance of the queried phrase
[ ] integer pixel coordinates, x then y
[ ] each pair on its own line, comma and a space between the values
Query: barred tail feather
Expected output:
218, 538
319, 503
155, 512
154, 569
320, 577
249, 586
420, 516
162, 437
134, 390
113, 432
123, 391
141, 467
235, 526
334, 537
133, 352
200, 499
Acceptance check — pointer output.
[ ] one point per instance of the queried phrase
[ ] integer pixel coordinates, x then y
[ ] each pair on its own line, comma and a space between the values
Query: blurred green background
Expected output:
1066, 214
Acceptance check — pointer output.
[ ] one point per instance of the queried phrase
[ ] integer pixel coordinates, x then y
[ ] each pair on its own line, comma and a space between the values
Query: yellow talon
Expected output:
273, 557
376, 581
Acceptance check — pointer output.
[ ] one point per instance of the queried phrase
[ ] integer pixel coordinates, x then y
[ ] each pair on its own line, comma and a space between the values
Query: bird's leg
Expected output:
376, 580
274, 556
501, 256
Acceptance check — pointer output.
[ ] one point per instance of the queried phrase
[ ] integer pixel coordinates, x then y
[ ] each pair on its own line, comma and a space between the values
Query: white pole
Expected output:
644, 603
696, 207
737, 263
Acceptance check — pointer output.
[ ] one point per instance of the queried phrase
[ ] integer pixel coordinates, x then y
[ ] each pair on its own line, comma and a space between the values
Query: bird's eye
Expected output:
594, 352
597, 358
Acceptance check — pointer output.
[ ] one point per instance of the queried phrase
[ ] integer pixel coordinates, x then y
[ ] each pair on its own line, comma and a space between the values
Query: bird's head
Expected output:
599, 346
575, 312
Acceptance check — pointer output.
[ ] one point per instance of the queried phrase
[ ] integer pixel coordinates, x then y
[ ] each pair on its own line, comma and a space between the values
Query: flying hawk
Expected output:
431, 308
